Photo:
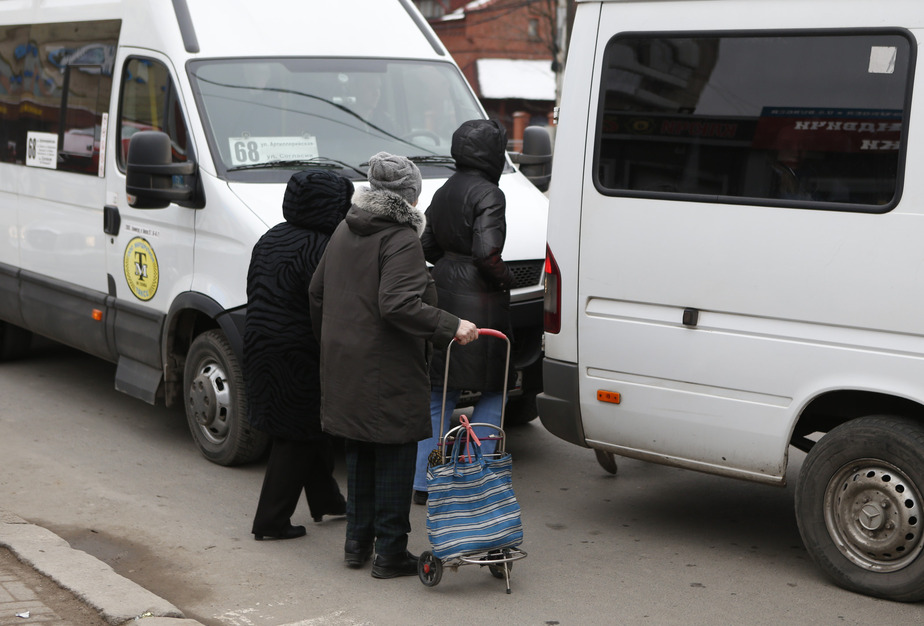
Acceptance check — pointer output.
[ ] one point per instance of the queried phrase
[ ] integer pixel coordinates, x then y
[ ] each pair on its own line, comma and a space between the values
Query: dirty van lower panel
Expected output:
137, 333
9, 295
66, 313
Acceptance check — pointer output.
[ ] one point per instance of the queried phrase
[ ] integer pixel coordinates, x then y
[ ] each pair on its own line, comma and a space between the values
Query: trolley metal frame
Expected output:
499, 561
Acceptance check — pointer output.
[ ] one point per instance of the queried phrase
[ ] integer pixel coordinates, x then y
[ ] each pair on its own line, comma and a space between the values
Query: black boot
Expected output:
355, 553
394, 565
289, 532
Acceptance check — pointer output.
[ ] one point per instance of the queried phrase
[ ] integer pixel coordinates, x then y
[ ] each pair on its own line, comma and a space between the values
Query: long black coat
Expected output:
372, 306
464, 239
281, 357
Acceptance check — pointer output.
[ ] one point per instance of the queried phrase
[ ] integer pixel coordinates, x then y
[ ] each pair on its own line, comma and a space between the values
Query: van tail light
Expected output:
552, 300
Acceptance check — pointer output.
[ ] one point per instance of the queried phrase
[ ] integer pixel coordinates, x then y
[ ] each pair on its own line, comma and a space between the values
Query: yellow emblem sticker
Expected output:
141, 272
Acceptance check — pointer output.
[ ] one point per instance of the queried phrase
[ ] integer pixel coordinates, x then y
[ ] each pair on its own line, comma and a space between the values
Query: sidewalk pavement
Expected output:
119, 601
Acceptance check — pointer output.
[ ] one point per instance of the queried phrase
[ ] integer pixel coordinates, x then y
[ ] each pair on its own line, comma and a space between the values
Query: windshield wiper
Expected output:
316, 162
433, 159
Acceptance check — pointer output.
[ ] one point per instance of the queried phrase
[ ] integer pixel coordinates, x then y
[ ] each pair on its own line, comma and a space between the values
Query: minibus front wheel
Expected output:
216, 406
860, 506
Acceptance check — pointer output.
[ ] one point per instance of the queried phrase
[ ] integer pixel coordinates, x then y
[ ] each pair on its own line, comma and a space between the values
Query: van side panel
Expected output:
782, 303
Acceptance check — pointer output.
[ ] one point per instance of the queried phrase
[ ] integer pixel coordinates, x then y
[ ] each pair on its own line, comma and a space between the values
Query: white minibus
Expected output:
137, 251
735, 261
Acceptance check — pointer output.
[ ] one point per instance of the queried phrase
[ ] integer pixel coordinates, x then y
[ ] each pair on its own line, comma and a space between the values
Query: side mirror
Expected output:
536, 158
154, 179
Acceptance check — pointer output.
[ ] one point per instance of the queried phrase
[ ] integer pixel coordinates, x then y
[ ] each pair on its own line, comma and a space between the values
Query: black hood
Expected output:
317, 199
481, 145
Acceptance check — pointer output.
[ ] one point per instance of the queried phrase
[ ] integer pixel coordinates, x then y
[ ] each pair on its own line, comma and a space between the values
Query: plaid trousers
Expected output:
380, 480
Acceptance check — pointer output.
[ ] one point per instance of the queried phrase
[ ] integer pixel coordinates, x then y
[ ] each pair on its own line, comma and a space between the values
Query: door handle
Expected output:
111, 220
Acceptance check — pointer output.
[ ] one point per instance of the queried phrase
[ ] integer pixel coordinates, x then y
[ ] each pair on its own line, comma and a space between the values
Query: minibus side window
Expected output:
55, 83
799, 119
149, 102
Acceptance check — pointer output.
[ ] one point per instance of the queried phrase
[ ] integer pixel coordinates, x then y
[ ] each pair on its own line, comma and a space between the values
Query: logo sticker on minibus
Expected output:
141, 272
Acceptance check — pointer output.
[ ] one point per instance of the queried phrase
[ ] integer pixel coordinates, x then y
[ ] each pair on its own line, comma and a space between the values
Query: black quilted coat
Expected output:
464, 239
281, 356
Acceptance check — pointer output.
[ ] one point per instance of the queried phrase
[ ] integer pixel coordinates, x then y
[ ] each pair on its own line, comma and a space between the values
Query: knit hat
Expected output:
395, 174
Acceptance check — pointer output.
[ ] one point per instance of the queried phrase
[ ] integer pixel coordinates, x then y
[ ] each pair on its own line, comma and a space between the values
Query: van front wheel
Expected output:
216, 407
860, 509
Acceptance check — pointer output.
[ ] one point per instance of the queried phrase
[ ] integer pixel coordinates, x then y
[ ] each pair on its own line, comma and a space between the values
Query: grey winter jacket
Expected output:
373, 311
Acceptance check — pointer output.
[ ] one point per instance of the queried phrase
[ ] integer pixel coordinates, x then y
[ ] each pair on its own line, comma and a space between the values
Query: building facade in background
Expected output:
507, 51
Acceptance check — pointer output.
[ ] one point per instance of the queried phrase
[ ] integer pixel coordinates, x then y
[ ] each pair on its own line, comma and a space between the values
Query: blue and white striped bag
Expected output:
471, 506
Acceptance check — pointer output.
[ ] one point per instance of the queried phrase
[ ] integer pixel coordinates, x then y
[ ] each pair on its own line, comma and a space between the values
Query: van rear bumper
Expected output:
559, 406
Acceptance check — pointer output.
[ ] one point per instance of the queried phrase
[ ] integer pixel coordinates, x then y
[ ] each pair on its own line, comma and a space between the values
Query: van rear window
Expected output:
792, 119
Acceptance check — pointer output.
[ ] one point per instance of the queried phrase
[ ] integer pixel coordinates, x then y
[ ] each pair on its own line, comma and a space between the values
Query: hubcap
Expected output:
873, 514
210, 402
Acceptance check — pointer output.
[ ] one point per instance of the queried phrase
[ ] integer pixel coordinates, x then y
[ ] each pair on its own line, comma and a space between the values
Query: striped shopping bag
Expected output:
471, 506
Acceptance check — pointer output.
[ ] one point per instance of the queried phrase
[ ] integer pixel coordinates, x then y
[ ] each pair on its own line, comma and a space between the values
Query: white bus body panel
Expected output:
792, 303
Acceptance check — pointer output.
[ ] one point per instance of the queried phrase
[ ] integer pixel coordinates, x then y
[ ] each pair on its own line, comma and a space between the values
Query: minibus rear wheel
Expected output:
860, 506
216, 406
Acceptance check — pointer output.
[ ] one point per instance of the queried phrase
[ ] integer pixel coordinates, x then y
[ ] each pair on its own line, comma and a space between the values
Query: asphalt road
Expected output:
653, 545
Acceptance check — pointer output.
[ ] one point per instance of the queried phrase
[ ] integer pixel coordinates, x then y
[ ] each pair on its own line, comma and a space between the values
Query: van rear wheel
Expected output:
860, 509
216, 407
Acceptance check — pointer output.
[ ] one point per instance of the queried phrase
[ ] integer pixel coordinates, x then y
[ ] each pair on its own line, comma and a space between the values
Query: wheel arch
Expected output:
190, 315
832, 408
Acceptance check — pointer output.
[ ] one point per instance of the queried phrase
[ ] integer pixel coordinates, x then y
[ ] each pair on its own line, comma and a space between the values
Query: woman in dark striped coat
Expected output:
281, 360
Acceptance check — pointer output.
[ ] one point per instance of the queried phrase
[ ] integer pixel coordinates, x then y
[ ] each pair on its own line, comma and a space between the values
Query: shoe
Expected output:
355, 553
420, 497
394, 565
290, 532
337, 509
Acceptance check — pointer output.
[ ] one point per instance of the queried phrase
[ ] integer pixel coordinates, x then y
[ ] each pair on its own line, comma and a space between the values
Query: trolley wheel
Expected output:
430, 569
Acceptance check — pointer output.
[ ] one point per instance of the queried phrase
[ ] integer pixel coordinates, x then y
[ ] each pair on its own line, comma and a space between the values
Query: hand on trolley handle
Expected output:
466, 333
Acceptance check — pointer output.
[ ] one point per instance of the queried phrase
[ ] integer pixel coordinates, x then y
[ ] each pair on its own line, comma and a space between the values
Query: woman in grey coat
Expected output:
373, 311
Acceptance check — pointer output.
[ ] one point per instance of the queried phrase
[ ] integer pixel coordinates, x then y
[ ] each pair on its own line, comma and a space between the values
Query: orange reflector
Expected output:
97, 315
608, 396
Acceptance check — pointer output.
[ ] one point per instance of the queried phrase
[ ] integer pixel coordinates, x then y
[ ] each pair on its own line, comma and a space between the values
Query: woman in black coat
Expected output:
281, 355
463, 239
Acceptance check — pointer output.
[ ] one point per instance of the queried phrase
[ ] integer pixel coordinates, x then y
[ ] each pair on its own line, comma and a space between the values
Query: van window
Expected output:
793, 119
55, 82
149, 102
262, 114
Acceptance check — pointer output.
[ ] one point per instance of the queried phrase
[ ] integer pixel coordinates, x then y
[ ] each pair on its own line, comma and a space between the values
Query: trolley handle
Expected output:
487, 332
490, 332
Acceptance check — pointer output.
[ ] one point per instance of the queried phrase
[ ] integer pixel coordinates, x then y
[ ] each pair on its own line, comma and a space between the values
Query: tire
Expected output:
216, 407
860, 509
522, 409
14, 341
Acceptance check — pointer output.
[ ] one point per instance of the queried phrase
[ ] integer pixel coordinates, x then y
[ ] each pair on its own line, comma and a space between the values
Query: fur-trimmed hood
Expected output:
375, 209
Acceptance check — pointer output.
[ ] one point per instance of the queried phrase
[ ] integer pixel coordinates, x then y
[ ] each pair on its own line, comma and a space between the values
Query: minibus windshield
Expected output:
265, 117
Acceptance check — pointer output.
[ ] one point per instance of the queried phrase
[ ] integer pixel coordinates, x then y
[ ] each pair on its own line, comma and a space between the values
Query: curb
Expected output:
118, 600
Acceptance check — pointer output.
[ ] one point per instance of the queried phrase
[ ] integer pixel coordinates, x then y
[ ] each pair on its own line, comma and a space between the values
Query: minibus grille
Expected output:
525, 273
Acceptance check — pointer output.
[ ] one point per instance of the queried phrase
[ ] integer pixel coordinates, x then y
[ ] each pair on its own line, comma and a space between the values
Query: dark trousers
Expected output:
380, 479
294, 466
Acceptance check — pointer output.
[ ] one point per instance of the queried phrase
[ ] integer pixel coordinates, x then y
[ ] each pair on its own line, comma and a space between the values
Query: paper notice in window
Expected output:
42, 150
882, 59
253, 150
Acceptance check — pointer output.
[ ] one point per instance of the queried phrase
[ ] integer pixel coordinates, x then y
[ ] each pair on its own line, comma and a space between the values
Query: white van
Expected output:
145, 147
736, 259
